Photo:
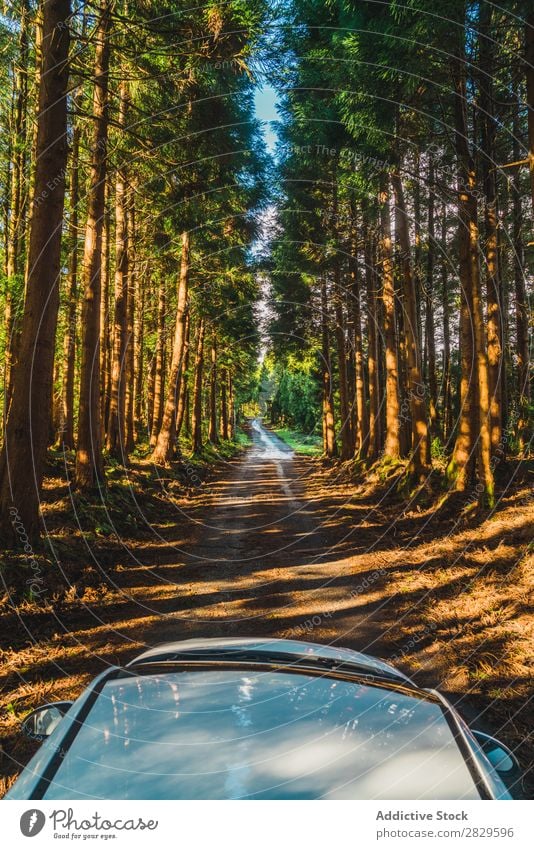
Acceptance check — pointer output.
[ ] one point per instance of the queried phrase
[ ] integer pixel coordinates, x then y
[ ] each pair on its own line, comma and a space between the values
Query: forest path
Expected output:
265, 557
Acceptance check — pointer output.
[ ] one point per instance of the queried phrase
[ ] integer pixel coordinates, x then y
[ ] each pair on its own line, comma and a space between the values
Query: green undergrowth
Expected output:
308, 444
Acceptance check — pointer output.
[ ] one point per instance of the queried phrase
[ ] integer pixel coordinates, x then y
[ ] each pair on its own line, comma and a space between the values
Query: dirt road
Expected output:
266, 557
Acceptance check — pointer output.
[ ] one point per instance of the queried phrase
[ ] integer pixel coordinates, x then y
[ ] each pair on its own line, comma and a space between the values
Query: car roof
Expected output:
249, 648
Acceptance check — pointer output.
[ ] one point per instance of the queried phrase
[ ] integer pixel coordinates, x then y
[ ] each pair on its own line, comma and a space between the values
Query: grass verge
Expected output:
308, 444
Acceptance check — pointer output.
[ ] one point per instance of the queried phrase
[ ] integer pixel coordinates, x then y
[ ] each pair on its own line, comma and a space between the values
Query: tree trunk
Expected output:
89, 463
151, 382
460, 467
529, 66
231, 407
224, 407
345, 432
187, 414
213, 434
392, 441
417, 272
24, 451
362, 419
182, 397
129, 361
117, 403
447, 390
522, 311
430, 330
164, 444
196, 424
329, 433
405, 419
418, 467
372, 342
347, 445
31, 171
494, 327
474, 432
159, 377
105, 344
55, 406
66, 436
139, 326
16, 222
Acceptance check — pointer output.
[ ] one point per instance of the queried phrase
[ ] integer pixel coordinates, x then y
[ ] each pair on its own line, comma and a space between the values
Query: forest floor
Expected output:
278, 545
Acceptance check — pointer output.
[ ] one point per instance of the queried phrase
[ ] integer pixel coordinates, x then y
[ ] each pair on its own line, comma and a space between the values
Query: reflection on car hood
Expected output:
265, 648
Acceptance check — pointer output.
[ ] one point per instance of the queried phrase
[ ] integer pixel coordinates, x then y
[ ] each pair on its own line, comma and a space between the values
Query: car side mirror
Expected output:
500, 756
40, 723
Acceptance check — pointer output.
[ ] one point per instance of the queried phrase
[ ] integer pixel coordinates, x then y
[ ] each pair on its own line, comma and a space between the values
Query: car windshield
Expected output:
227, 734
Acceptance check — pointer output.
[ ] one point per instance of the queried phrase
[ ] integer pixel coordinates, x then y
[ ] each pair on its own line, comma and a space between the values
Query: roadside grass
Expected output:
223, 450
243, 438
308, 444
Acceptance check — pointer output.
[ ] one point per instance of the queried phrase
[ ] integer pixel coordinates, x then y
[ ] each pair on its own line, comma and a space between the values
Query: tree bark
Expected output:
89, 463
196, 425
329, 433
447, 388
372, 342
182, 397
159, 376
129, 366
362, 418
224, 407
32, 134
213, 434
418, 467
164, 444
117, 405
16, 221
522, 311
494, 326
151, 381
529, 66
347, 445
105, 342
24, 452
232, 423
345, 432
417, 271
66, 435
392, 440
139, 326
430, 330
474, 431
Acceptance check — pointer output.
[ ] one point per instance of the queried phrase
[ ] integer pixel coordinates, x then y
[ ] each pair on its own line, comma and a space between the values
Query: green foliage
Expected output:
290, 392
296, 401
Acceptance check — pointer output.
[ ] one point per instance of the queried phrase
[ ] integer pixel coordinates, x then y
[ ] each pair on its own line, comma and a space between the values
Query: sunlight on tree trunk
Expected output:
392, 442
196, 424
418, 467
164, 447
24, 452
89, 463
